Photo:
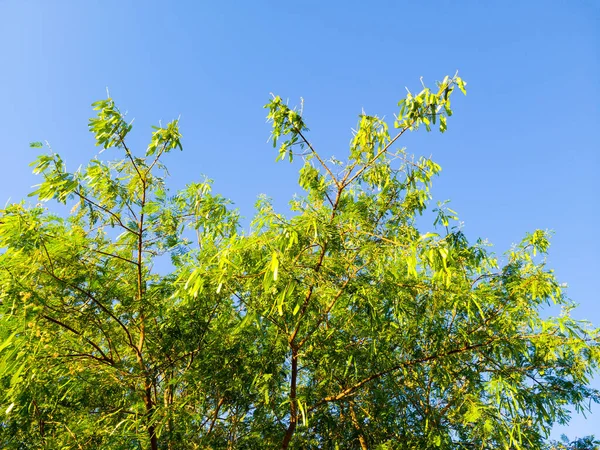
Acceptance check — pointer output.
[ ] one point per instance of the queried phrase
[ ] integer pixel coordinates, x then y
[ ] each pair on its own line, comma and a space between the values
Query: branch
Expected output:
348, 391
104, 358
129, 155
116, 217
158, 155
112, 255
314, 152
345, 182
97, 302
215, 415
329, 307
268, 317
317, 268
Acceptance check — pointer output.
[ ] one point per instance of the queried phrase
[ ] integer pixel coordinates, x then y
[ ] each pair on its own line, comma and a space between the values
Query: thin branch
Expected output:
97, 302
112, 255
329, 307
158, 155
129, 155
243, 302
215, 415
348, 391
345, 182
104, 358
115, 216
314, 152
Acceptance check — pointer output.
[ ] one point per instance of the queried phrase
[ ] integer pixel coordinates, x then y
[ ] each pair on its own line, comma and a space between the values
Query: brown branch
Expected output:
47, 254
40, 420
318, 266
356, 424
112, 214
97, 302
314, 152
345, 182
81, 355
291, 340
139, 264
348, 391
111, 347
129, 155
158, 155
104, 358
112, 255
215, 415
329, 307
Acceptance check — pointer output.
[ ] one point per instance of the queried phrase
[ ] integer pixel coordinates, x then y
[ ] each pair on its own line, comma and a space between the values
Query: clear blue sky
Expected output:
521, 151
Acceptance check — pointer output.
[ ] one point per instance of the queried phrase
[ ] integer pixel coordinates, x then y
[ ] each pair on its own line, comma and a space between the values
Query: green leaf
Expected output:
274, 265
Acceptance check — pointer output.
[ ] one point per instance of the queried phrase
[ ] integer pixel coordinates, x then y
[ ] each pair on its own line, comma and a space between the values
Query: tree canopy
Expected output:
341, 324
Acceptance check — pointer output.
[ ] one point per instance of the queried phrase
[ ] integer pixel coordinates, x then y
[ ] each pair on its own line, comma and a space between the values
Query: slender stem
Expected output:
346, 181
129, 155
112, 214
104, 357
314, 152
350, 390
158, 155
328, 309
41, 423
112, 255
97, 302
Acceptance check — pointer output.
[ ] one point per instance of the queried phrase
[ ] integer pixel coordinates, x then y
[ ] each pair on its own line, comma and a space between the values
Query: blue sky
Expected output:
521, 151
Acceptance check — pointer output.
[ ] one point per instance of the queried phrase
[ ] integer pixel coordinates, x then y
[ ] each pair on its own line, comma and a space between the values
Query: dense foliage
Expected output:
340, 325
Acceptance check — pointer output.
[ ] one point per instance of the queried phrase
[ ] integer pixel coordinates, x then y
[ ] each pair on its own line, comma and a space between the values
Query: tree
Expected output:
342, 325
